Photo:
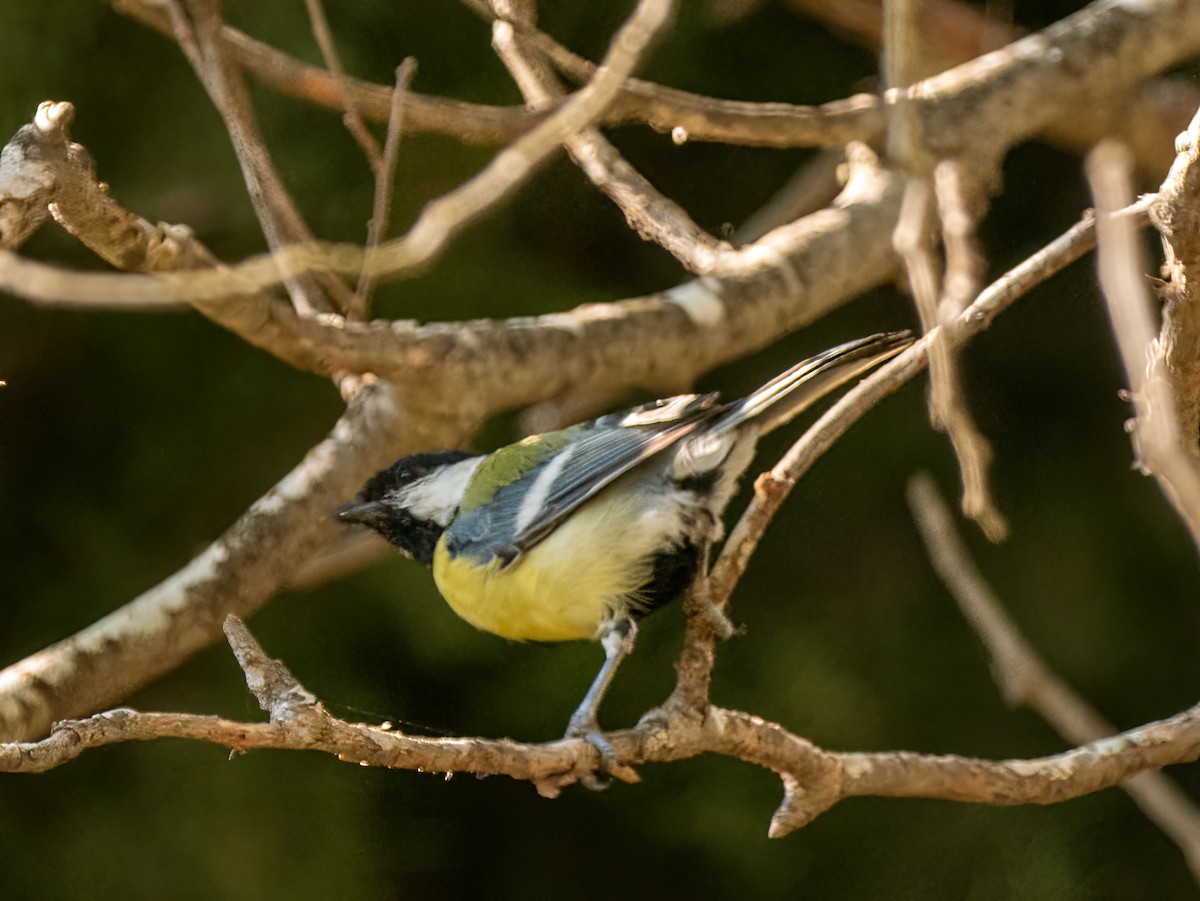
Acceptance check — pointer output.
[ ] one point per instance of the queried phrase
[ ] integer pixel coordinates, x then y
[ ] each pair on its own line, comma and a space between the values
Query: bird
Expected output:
578, 533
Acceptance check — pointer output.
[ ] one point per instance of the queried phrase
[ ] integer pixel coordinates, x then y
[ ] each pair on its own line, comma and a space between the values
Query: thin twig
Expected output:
939, 297
439, 221
652, 215
642, 341
451, 212
197, 25
947, 406
696, 659
1156, 114
86, 208
773, 487
333, 62
814, 184
984, 106
900, 52
384, 175
912, 240
1025, 678
703, 118
960, 285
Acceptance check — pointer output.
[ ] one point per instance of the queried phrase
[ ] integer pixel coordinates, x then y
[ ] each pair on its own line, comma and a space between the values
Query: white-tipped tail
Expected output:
789, 393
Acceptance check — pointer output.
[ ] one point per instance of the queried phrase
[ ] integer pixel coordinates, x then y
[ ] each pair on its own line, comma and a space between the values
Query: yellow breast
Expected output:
564, 588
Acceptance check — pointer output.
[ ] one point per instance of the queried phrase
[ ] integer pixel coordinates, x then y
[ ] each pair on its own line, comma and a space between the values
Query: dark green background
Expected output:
127, 442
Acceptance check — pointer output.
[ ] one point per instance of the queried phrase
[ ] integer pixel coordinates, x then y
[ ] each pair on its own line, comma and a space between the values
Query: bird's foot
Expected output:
589, 731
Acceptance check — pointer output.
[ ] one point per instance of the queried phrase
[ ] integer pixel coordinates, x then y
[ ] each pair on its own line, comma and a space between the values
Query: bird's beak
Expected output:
371, 513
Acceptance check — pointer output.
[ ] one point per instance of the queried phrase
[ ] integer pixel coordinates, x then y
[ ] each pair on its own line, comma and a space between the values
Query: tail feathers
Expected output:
788, 394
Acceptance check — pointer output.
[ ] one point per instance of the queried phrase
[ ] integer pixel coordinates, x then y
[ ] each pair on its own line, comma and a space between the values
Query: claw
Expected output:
609, 765
590, 732
608, 762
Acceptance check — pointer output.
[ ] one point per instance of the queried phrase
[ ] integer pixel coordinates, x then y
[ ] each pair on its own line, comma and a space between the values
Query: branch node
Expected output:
701, 601
799, 807
279, 693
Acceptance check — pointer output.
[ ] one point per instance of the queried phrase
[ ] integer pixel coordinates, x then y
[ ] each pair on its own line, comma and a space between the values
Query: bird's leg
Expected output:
617, 639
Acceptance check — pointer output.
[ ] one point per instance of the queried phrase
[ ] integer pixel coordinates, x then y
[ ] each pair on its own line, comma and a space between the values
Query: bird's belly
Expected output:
514, 604
565, 588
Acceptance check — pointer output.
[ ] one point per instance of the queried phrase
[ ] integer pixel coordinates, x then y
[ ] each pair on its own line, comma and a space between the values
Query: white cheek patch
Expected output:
436, 497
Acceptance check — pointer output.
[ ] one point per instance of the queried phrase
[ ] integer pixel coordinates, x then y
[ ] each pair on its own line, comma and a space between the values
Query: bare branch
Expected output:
687, 116
444, 217
811, 187
50, 685
948, 404
708, 308
1158, 447
1046, 780
1177, 219
694, 327
1038, 97
662, 341
956, 196
900, 52
653, 216
939, 301
982, 107
277, 691
384, 174
197, 25
1025, 678
773, 487
469, 122
238, 572
953, 33
333, 62
26, 183
665, 109
814, 779
86, 208
450, 213
1159, 111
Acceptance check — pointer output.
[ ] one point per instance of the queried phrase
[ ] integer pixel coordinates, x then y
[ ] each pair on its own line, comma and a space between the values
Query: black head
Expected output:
405, 471
393, 504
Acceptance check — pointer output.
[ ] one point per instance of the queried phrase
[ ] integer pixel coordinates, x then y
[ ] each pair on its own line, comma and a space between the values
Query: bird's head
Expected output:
413, 501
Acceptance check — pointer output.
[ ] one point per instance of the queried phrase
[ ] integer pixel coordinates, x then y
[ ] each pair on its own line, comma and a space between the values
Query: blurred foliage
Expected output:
129, 441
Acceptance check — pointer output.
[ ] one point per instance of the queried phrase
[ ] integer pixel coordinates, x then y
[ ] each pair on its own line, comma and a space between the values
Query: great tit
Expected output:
579, 532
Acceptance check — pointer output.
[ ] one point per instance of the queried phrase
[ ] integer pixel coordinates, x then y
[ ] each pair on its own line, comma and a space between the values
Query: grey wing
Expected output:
601, 453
